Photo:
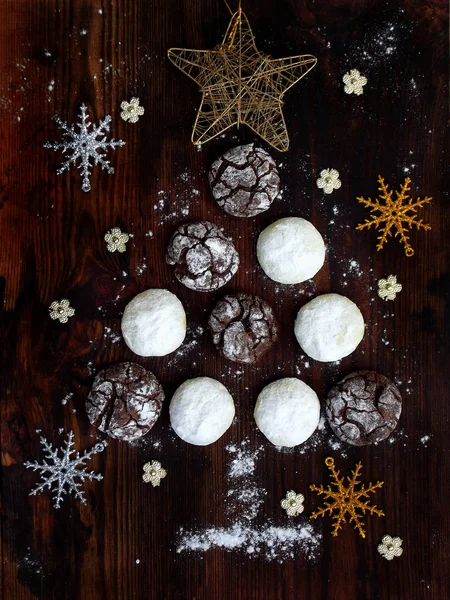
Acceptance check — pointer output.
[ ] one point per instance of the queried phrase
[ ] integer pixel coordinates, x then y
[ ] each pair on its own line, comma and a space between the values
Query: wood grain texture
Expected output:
52, 246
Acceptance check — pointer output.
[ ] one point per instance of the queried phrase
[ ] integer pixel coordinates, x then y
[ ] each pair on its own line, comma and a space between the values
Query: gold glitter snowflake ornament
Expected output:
399, 214
346, 500
116, 240
131, 111
390, 547
153, 473
389, 288
61, 310
293, 504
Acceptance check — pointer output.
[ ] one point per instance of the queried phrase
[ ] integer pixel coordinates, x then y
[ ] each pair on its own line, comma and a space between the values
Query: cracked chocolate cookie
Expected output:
125, 401
244, 181
363, 408
243, 327
204, 258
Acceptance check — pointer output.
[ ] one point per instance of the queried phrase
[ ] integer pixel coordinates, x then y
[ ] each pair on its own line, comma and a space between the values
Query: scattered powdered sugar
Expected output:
244, 500
268, 541
425, 439
243, 461
113, 336
66, 398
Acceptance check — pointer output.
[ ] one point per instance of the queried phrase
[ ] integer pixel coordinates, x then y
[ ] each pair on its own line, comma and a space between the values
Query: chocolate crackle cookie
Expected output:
243, 327
244, 181
125, 401
204, 258
363, 408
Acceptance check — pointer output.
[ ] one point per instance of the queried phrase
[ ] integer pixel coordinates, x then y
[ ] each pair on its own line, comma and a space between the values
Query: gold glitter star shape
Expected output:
240, 84
293, 504
61, 311
394, 214
346, 500
153, 473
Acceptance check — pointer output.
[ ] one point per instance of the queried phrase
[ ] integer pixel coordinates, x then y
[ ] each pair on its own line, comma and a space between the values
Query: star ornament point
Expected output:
241, 85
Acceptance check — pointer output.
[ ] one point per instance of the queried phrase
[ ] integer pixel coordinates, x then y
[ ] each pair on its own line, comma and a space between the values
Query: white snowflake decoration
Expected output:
59, 474
84, 145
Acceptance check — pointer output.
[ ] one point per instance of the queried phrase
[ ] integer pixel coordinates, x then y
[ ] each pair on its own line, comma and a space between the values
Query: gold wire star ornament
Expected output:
346, 500
240, 84
393, 214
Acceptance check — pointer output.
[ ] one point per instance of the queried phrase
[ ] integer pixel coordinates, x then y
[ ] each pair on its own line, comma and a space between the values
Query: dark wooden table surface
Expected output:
58, 54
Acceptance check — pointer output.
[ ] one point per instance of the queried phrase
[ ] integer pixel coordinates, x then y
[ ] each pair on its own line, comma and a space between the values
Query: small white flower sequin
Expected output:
116, 240
293, 504
131, 111
61, 310
153, 473
389, 288
390, 547
329, 180
354, 82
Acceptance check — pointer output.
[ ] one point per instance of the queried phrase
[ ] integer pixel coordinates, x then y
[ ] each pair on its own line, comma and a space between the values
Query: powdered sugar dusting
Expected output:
270, 541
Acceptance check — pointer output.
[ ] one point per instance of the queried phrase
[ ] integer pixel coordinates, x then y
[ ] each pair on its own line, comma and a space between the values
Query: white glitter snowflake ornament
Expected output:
61, 310
131, 111
293, 504
389, 288
390, 547
354, 82
329, 180
59, 474
153, 473
88, 146
116, 240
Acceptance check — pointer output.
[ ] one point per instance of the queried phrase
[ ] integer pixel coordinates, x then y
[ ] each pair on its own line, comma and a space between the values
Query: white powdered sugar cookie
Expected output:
154, 323
287, 412
291, 250
329, 327
201, 410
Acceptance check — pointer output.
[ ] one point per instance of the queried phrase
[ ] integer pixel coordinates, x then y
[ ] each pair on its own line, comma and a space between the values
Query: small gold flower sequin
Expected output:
293, 504
329, 180
61, 310
153, 473
116, 240
390, 547
354, 82
131, 111
389, 288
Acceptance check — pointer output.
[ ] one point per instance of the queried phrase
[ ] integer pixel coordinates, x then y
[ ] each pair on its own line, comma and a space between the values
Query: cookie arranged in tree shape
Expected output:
125, 401
329, 327
204, 258
291, 250
287, 412
244, 181
243, 327
201, 410
154, 323
363, 408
